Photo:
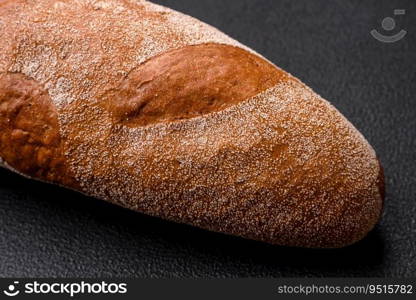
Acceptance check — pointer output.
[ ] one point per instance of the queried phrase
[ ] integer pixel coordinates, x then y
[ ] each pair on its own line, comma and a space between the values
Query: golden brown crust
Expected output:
29, 131
190, 82
124, 88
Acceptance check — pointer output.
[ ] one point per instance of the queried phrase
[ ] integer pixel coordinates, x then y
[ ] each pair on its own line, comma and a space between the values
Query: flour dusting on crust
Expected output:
80, 37
284, 166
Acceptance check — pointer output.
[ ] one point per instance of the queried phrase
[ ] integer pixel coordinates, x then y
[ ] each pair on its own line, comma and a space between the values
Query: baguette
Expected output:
155, 111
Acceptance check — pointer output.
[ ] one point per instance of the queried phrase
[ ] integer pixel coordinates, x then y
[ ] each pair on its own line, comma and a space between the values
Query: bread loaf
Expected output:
155, 111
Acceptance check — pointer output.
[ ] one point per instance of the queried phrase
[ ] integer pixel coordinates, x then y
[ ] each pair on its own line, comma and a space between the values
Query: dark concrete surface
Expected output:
50, 231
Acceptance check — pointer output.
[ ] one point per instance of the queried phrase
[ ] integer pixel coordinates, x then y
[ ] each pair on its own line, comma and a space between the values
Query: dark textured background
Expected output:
49, 231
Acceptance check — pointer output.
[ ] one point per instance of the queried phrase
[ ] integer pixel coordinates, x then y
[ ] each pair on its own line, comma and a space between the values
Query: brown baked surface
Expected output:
190, 82
29, 131
144, 107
